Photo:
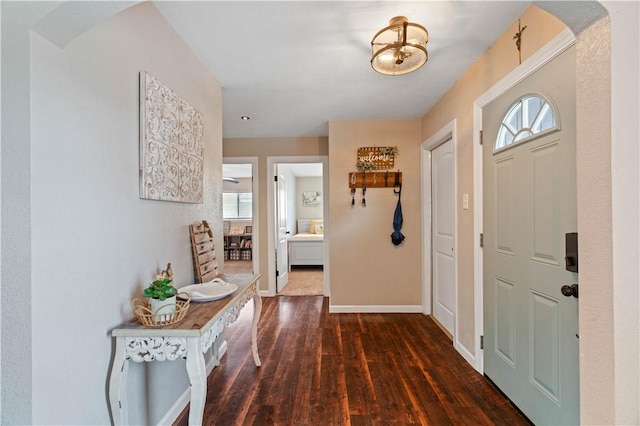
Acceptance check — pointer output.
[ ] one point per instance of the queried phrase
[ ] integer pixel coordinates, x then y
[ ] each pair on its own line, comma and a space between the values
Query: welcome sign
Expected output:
376, 155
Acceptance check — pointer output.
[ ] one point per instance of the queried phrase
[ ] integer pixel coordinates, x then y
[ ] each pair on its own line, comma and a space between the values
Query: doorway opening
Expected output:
239, 210
297, 213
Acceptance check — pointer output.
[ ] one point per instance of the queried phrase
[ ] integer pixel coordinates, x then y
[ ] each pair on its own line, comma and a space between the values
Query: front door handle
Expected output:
570, 290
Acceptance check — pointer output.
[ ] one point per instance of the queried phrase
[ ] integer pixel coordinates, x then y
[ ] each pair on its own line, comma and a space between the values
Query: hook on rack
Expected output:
397, 184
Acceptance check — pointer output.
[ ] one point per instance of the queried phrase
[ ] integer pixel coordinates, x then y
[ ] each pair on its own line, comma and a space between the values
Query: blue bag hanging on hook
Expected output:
396, 236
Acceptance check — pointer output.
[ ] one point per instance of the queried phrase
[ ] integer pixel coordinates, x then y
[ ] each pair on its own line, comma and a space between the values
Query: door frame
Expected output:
551, 50
441, 136
271, 252
255, 210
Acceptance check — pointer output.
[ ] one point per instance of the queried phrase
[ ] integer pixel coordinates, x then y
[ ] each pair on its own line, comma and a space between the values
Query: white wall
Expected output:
625, 161
621, 390
15, 355
311, 184
95, 244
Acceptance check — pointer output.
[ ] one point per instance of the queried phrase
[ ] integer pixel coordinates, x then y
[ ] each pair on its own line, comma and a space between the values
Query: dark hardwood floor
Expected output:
346, 369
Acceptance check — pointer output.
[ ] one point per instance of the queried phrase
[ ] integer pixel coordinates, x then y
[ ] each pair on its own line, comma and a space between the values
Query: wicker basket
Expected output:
156, 319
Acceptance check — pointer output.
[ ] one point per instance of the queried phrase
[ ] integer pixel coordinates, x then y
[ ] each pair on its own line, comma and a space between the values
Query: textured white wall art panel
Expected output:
171, 145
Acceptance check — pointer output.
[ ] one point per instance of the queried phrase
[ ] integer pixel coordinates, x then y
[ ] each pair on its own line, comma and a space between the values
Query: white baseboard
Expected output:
221, 351
374, 309
176, 409
468, 356
266, 293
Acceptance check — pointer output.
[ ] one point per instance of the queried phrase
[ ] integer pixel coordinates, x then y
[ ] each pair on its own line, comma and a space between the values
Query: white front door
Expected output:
531, 328
282, 254
442, 229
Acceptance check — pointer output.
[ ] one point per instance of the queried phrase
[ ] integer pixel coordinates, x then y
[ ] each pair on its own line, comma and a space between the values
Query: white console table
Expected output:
189, 338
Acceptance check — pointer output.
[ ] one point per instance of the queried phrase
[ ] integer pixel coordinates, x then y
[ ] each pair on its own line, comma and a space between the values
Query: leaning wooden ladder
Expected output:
205, 262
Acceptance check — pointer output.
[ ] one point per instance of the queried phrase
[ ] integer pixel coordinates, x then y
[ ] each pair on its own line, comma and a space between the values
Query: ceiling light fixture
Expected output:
245, 117
399, 48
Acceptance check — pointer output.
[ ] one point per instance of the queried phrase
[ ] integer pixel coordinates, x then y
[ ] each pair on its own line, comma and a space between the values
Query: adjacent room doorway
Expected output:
240, 207
296, 197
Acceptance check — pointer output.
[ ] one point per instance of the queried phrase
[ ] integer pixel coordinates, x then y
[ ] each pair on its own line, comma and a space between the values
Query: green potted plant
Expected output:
162, 296
389, 150
364, 166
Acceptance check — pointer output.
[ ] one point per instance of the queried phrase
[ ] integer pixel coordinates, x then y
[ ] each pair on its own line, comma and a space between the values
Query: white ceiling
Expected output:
293, 66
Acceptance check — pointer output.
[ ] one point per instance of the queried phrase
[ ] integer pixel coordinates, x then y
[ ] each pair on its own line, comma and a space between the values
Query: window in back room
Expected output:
236, 205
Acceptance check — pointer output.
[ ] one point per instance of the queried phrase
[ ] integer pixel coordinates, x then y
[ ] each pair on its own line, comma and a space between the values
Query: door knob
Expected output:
570, 290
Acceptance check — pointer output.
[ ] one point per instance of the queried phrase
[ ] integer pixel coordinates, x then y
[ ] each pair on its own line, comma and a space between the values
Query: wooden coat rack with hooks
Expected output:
375, 179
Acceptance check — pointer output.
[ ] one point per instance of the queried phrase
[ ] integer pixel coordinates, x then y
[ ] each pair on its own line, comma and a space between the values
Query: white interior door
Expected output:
282, 253
530, 335
442, 229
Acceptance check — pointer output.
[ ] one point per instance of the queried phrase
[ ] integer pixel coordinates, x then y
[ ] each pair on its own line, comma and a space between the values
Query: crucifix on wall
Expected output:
518, 38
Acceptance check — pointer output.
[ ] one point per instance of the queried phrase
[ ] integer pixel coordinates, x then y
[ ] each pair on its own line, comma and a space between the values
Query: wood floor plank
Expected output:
320, 368
358, 377
306, 386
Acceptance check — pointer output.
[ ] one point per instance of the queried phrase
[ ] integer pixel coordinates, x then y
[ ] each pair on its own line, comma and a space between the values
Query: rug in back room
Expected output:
304, 282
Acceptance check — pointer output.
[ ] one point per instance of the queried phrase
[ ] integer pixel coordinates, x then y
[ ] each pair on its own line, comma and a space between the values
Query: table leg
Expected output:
118, 384
257, 310
198, 378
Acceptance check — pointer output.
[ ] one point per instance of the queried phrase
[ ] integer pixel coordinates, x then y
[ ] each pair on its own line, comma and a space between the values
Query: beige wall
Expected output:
263, 148
500, 59
366, 268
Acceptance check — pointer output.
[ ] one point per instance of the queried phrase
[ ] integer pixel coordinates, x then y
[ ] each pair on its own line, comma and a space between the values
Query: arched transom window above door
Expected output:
528, 117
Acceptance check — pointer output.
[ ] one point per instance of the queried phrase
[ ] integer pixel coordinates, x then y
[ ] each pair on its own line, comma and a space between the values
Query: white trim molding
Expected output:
551, 50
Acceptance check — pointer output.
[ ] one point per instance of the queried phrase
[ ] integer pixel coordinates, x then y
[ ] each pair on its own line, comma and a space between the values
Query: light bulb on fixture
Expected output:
386, 57
399, 48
